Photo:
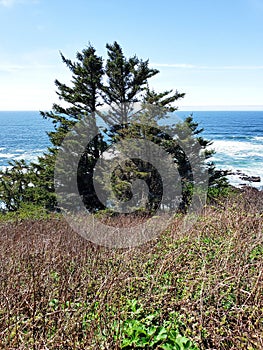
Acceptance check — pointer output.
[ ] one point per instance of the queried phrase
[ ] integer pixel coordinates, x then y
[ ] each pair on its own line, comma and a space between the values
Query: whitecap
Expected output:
5, 167
27, 157
237, 148
7, 155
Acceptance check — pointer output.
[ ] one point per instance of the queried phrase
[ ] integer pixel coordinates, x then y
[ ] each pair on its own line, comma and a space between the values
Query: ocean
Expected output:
237, 139
22, 136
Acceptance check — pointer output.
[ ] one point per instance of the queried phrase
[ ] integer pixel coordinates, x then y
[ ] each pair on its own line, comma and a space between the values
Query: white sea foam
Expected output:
240, 183
238, 148
31, 156
27, 157
7, 155
240, 155
5, 167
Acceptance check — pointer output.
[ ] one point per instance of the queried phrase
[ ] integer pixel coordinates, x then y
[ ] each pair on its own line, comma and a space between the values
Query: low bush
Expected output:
200, 289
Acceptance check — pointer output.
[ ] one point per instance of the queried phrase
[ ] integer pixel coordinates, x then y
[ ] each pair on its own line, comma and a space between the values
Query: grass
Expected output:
202, 289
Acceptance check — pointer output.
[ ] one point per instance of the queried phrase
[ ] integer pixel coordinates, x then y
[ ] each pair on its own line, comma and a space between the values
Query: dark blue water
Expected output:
22, 136
230, 125
237, 136
238, 140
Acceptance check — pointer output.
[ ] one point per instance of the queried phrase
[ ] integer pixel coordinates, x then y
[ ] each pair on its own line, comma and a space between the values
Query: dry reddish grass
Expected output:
59, 291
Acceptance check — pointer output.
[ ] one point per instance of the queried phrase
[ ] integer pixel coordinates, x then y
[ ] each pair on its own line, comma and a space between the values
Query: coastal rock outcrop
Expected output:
251, 178
243, 176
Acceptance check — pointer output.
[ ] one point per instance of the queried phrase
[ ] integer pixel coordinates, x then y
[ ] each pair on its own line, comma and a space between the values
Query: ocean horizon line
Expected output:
199, 108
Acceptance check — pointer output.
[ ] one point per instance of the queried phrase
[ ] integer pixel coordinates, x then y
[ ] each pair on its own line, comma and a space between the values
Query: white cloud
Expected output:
174, 65
7, 3
10, 3
200, 67
15, 68
40, 59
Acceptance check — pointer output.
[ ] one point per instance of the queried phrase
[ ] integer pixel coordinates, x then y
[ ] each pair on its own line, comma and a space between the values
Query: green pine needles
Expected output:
117, 85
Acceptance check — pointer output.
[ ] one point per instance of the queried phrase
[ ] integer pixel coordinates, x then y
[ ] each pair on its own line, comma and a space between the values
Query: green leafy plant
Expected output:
145, 331
256, 252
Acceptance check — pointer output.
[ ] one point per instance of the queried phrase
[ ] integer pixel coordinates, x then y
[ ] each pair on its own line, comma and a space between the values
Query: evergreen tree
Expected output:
121, 84
126, 80
82, 99
14, 184
23, 184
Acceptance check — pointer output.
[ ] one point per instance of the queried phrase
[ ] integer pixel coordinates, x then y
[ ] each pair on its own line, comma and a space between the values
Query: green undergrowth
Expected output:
27, 212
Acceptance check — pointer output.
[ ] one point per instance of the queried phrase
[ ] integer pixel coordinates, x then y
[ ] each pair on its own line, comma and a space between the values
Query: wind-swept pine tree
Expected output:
118, 83
126, 82
80, 100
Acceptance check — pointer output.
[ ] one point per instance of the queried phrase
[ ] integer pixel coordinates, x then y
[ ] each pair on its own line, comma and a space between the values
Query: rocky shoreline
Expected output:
243, 176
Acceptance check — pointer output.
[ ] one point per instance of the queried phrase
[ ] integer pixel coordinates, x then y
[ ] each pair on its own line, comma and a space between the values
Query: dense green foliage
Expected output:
118, 83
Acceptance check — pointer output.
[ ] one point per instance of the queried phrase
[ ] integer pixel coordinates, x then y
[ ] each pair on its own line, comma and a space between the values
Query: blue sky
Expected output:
211, 50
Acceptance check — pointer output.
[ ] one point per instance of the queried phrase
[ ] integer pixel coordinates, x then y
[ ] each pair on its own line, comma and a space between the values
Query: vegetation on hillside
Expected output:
196, 290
